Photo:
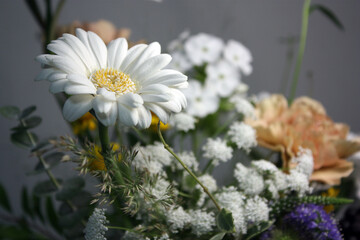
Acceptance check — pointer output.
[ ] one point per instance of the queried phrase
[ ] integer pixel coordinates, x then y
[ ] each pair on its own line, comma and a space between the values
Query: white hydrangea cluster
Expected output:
233, 200
217, 150
243, 106
305, 162
201, 222
211, 185
243, 135
182, 121
177, 219
152, 158
224, 64
256, 210
189, 159
250, 181
95, 228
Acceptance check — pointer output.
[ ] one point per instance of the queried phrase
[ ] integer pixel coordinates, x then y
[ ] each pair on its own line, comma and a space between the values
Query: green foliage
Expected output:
70, 188
258, 229
52, 159
328, 13
22, 139
10, 112
4, 200
25, 202
51, 214
45, 187
218, 236
27, 111
225, 221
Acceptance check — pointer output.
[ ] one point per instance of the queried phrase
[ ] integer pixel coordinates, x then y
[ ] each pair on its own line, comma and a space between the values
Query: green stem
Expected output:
290, 41
55, 18
304, 29
36, 13
167, 147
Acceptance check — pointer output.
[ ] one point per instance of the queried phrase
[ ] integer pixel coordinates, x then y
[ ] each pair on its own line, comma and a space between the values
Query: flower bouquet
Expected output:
152, 129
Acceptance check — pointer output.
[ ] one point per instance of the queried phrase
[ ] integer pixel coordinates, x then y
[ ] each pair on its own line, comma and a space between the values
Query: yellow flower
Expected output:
86, 122
331, 192
154, 124
98, 163
305, 124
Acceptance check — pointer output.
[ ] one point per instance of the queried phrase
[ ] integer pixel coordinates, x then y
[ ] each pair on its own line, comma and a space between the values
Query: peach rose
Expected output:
105, 29
305, 124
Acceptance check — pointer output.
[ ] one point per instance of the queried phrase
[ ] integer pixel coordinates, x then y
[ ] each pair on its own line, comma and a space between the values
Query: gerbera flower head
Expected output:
114, 81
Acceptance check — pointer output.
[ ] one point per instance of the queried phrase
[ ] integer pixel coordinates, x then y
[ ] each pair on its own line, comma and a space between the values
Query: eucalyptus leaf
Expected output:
225, 221
218, 236
10, 112
32, 122
70, 188
327, 13
22, 139
45, 187
41, 144
37, 203
4, 200
25, 202
81, 200
27, 111
51, 214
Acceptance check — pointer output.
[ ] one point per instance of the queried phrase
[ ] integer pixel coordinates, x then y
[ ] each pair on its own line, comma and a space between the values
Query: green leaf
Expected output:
258, 229
218, 236
14, 233
45, 187
51, 214
225, 221
4, 200
70, 188
25, 202
81, 200
27, 111
71, 219
327, 13
41, 144
37, 207
22, 139
32, 122
10, 112
51, 159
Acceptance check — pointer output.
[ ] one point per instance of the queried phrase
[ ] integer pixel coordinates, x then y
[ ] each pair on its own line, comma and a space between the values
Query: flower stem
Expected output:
304, 29
167, 147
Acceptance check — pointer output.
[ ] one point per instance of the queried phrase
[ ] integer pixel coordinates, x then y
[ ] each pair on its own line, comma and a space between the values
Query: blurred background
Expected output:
330, 72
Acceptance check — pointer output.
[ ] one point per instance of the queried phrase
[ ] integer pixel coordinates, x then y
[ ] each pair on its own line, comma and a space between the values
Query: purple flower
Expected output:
310, 221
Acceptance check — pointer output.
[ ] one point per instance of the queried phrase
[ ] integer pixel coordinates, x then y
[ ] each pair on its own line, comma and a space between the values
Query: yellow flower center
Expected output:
113, 81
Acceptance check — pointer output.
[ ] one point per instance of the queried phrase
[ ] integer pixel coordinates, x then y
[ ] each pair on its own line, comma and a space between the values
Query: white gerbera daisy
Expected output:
203, 48
115, 82
223, 77
239, 55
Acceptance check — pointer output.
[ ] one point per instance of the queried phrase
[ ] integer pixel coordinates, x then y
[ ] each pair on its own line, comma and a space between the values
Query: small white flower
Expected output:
182, 121
203, 48
222, 77
115, 82
280, 180
243, 106
177, 219
189, 159
251, 182
243, 135
256, 210
201, 99
95, 228
305, 162
271, 187
242, 89
210, 184
239, 55
180, 62
264, 167
298, 182
160, 190
217, 150
201, 222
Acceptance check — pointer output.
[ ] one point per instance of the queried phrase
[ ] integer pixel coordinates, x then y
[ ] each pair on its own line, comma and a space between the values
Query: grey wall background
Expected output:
332, 55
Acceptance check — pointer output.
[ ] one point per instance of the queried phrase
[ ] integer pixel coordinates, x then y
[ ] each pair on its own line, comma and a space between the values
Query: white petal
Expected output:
154, 88
110, 96
131, 55
44, 74
66, 64
76, 106
56, 76
152, 50
83, 36
80, 80
159, 111
150, 66
105, 110
144, 117
99, 49
117, 50
167, 77
73, 89
128, 116
58, 86
131, 100
164, 97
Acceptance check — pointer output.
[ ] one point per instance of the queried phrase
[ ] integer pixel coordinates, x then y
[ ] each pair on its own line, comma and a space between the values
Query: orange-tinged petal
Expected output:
332, 175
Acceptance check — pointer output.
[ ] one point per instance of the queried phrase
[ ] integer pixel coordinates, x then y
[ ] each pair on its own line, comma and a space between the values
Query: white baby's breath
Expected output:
239, 56
201, 222
250, 181
183, 121
177, 219
243, 106
217, 150
305, 162
243, 135
256, 210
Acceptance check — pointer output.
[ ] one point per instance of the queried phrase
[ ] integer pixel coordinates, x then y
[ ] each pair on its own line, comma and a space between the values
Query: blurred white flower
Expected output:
177, 219
250, 181
182, 121
210, 184
241, 90
203, 48
201, 99
243, 135
189, 159
95, 228
239, 56
177, 44
180, 62
201, 222
115, 82
305, 162
217, 150
264, 167
223, 77
243, 106
298, 182
256, 210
